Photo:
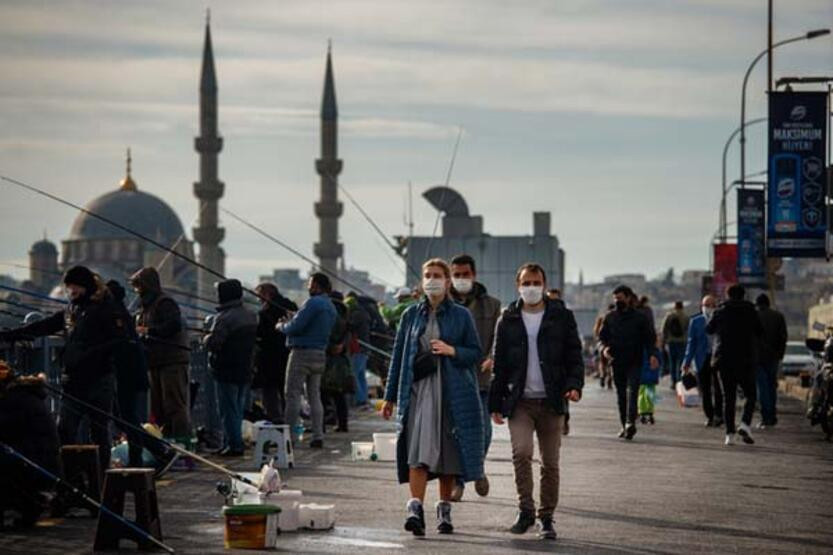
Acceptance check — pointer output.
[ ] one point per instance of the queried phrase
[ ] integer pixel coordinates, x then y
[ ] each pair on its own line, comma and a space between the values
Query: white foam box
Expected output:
384, 445
361, 450
317, 517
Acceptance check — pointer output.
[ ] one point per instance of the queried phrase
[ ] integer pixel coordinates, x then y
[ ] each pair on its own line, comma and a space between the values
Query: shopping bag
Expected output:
687, 397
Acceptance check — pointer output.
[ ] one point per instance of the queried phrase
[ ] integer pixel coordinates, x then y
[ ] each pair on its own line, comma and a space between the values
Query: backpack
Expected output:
675, 327
377, 322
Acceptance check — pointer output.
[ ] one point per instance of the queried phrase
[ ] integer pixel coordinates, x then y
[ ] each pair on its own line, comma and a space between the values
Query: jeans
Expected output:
711, 391
534, 416
231, 399
676, 352
132, 406
359, 362
304, 372
627, 392
768, 391
273, 403
99, 394
732, 378
169, 398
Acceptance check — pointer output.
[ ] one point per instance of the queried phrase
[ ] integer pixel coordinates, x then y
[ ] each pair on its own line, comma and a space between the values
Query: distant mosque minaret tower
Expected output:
328, 209
209, 188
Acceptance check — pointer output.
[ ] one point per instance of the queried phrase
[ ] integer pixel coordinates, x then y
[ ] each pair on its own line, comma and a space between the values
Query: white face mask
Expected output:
433, 287
462, 285
531, 294
708, 312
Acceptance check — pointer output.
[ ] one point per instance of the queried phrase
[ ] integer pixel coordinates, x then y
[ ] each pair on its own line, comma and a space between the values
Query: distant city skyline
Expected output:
611, 116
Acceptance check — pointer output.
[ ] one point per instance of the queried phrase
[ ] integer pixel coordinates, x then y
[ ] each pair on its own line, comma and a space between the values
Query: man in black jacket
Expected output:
93, 331
537, 368
271, 352
159, 323
231, 345
772, 348
737, 330
626, 337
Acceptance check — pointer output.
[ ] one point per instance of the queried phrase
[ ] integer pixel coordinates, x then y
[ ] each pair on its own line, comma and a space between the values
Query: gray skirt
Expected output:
430, 443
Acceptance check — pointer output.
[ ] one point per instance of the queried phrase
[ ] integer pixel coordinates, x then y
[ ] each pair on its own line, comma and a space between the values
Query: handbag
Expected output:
689, 380
425, 364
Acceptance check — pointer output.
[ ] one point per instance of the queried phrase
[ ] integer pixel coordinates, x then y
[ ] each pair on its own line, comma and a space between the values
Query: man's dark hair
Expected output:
267, 290
624, 289
762, 300
678, 305
322, 281
736, 292
464, 259
644, 300
554, 291
530, 267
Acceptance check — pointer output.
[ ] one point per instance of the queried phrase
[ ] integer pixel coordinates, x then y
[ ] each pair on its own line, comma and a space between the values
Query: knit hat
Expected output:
116, 290
229, 290
81, 275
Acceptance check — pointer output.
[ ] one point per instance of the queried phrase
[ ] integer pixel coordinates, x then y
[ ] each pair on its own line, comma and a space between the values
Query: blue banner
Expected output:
751, 258
797, 192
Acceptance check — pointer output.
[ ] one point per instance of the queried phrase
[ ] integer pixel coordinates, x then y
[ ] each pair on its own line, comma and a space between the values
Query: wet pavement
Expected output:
674, 489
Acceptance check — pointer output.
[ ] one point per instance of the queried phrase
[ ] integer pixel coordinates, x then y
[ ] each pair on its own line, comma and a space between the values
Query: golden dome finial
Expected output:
127, 184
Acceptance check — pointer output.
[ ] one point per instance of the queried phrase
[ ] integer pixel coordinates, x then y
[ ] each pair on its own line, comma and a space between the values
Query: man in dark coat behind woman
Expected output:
271, 352
737, 330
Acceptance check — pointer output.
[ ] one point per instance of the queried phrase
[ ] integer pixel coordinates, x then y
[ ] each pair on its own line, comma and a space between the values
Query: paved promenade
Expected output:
674, 489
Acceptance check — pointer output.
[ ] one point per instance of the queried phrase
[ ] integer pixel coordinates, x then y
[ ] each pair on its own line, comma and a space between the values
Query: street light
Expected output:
807, 36
722, 223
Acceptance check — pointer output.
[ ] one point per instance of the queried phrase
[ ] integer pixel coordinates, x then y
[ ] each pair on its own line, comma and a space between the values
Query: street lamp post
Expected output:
722, 223
807, 36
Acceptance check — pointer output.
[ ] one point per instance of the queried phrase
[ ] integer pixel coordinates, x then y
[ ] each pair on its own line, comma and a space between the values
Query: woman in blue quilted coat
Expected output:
432, 385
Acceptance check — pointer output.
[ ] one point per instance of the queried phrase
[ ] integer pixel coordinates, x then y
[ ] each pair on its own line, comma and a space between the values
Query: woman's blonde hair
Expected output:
440, 263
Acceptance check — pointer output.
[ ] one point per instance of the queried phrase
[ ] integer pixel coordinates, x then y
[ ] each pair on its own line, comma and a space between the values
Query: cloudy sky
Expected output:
612, 115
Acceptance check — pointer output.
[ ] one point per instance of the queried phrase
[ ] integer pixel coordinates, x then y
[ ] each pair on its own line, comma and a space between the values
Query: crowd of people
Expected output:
460, 363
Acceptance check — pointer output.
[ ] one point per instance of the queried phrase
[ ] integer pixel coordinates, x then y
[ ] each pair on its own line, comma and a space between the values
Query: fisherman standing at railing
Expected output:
93, 329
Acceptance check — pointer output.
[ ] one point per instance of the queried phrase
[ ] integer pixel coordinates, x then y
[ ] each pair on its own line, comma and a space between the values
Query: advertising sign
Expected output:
725, 267
797, 215
751, 258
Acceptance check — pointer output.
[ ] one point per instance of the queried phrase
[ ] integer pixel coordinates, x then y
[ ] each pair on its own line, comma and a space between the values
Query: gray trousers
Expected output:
304, 371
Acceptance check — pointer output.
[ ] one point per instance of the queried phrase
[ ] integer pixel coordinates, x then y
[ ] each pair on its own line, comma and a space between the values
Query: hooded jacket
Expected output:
271, 352
559, 356
166, 340
231, 341
485, 310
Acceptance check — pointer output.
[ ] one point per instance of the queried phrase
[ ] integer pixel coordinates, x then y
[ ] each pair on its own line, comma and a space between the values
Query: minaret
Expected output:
208, 189
329, 209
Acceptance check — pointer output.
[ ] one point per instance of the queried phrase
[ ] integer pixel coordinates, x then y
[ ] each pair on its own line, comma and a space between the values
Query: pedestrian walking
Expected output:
358, 324
432, 383
674, 334
625, 335
737, 331
772, 346
698, 350
603, 368
649, 378
271, 352
231, 344
538, 368
307, 335
338, 380
643, 305
132, 381
485, 310
93, 330
159, 324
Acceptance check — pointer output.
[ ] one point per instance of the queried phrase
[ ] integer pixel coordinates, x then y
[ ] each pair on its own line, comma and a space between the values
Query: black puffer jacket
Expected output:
166, 340
737, 331
628, 334
559, 352
231, 343
271, 352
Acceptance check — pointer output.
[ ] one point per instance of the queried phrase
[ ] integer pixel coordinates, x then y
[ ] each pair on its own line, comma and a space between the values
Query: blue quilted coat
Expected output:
459, 380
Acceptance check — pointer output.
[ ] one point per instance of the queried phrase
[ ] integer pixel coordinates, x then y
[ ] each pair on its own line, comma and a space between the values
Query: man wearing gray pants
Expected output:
307, 335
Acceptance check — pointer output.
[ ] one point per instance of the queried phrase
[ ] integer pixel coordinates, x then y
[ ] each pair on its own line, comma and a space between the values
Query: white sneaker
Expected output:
730, 439
745, 433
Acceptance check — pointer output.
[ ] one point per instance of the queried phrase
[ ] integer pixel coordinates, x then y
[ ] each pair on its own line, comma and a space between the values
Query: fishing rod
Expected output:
20, 305
11, 451
173, 446
26, 267
13, 314
33, 294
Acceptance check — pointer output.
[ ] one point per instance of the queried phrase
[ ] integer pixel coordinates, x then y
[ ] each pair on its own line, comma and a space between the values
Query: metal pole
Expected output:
722, 222
769, 48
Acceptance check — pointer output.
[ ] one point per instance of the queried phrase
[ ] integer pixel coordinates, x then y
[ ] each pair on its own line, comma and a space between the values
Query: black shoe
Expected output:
709, 423
546, 529
718, 422
630, 431
415, 523
341, 430
643, 419
651, 420
621, 433
316, 444
523, 522
444, 525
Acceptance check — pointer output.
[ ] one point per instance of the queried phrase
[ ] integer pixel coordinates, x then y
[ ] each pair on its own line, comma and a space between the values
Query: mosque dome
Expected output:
44, 247
132, 208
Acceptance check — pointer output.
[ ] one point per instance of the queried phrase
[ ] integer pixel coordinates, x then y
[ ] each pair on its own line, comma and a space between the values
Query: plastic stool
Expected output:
117, 482
82, 469
273, 441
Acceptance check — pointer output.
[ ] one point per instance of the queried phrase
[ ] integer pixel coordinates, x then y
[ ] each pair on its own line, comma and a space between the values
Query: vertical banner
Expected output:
751, 270
725, 267
797, 215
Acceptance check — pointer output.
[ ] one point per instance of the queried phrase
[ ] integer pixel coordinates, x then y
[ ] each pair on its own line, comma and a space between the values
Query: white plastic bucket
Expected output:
362, 450
384, 445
